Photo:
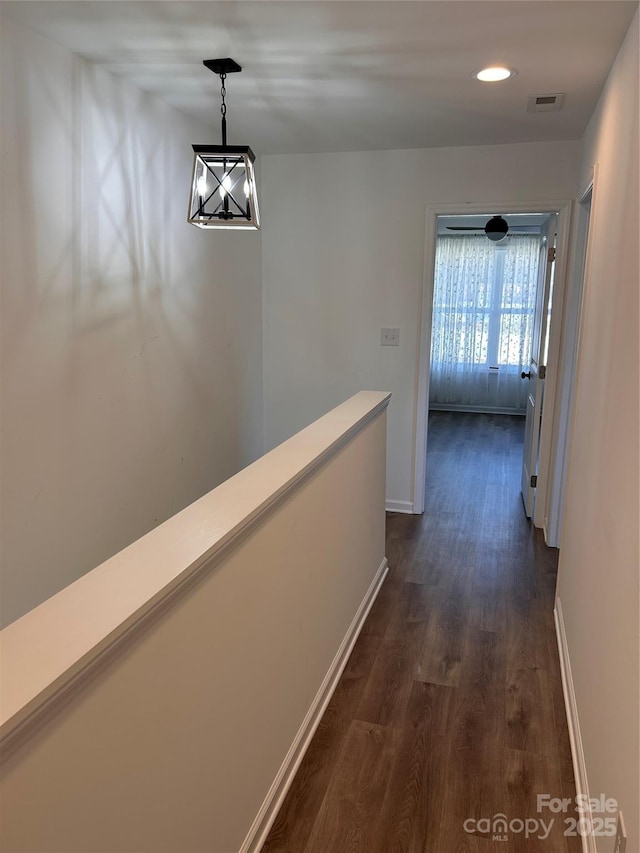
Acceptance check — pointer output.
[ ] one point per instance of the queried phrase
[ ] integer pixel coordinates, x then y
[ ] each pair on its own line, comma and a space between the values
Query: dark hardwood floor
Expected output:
450, 708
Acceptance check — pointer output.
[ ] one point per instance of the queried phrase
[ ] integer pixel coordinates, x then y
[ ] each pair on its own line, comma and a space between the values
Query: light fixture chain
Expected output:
223, 92
223, 107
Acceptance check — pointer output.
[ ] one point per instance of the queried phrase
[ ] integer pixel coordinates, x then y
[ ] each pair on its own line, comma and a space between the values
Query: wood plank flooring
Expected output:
450, 708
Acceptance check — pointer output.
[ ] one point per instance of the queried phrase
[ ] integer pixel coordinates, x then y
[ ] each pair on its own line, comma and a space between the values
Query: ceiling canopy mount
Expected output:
222, 66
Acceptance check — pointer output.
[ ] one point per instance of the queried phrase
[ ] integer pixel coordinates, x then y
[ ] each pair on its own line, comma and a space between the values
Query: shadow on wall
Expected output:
131, 344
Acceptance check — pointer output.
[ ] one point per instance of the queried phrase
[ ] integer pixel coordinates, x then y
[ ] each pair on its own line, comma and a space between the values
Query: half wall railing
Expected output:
163, 701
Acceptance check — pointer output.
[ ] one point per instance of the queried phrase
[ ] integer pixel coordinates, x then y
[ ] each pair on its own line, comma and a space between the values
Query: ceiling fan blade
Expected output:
465, 228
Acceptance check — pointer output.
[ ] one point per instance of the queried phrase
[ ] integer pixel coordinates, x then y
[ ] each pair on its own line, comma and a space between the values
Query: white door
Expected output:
537, 368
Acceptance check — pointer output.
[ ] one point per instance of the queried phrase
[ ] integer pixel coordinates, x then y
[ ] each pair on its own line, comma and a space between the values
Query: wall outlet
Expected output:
390, 337
621, 836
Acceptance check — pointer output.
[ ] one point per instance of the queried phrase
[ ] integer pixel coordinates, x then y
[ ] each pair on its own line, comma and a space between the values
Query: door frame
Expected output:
576, 287
537, 384
563, 207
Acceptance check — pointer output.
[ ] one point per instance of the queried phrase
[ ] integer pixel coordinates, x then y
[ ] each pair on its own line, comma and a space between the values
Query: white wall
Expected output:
342, 255
599, 559
131, 341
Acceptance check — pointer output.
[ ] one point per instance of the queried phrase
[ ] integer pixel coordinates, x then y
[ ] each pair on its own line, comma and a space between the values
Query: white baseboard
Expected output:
269, 810
400, 506
573, 723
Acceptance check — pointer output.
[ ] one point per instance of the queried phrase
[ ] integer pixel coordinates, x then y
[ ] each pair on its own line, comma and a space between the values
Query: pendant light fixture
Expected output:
223, 184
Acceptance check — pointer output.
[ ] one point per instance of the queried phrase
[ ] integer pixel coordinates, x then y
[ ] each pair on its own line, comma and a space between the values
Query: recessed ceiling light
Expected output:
494, 73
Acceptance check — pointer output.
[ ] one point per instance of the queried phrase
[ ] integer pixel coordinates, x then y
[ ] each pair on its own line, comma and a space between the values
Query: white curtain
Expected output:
484, 299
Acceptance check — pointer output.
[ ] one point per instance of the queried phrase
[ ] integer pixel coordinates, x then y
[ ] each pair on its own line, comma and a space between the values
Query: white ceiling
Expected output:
337, 75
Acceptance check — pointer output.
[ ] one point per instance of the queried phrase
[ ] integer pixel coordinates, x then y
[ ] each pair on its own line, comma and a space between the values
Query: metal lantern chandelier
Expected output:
223, 184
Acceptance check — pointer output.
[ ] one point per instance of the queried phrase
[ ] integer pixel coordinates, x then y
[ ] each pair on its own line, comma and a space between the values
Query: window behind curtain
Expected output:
484, 298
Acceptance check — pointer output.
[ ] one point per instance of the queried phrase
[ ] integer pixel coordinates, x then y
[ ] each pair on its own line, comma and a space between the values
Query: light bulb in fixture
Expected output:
225, 186
494, 74
201, 185
247, 189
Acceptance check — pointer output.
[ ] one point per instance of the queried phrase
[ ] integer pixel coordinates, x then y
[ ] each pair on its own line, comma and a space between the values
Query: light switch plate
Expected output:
390, 337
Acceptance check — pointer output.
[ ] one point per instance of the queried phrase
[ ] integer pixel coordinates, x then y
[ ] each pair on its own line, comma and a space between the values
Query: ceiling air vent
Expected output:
545, 103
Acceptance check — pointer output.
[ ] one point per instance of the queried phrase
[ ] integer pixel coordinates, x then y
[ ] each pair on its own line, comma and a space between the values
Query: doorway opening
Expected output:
487, 341
484, 301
